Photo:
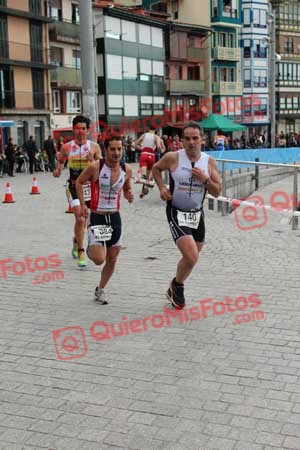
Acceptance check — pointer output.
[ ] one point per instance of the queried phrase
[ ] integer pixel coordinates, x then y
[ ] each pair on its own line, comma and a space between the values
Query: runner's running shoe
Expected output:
75, 249
175, 294
81, 261
100, 296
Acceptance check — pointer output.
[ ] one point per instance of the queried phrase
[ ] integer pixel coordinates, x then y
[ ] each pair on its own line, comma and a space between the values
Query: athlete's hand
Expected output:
57, 172
199, 174
129, 196
84, 211
165, 194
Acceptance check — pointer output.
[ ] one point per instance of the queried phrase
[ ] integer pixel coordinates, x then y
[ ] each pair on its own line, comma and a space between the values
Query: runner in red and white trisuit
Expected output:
148, 143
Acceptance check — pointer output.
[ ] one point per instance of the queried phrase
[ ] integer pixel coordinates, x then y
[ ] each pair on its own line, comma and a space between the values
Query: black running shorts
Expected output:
177, 231
110, 223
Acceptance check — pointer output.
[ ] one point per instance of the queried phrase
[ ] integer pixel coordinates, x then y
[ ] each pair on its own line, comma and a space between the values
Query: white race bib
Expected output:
102, 232
188, 219
87, 192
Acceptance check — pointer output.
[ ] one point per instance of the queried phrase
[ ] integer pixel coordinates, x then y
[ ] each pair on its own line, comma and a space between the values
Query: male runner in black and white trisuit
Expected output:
192, 174
109, 177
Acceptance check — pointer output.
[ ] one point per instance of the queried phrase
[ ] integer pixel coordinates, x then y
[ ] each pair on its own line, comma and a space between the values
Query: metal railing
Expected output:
257, 164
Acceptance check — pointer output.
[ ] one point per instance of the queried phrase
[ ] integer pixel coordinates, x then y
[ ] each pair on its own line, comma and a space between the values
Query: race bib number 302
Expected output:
189, 219
102, 232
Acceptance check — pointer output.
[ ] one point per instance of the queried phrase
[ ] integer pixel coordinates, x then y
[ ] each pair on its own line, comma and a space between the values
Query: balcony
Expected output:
227, 53
16, 53
196, 53
197, 87
63, 31
66, 77
228, 88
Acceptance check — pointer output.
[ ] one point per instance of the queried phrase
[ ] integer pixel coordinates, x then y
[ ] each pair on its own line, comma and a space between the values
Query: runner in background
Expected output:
79, 152
221, 141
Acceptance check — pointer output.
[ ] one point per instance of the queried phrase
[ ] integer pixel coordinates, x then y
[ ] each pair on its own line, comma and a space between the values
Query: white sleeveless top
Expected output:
188, 193
149, 144
106, 197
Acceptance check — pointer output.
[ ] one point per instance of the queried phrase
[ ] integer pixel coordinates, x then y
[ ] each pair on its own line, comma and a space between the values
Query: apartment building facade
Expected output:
65, 75
287, 18
130, 68
24, 65
255, 44
227, 88
187, 59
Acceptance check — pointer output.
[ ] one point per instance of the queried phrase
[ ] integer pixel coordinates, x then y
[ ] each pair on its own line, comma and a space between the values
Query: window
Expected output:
22, 132
230, 8
215, 75
222, 39
57, 56
128, 31
261, 109
55, 10
3, 2
247, 22
144, 34
112, 27
36, 42
247, 48
158, 70
289, 45
214, 8
3, 37
35, 6
157, 37
146, 106
131, 105
129, 68
260, 78
75, 14
115, 105
231, 40
39, 133
114, 67
259, 50
193, 73
223, 74
259, 18
38, 90
76, 59
145, 69
56, 101
73, 102
231, 74
247, 78
7, 96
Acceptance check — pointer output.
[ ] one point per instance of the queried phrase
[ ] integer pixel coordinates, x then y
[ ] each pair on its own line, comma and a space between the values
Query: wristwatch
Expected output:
207, 182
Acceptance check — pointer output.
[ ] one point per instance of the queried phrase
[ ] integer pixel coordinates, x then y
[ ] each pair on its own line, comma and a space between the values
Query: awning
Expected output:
217, 121
6, 123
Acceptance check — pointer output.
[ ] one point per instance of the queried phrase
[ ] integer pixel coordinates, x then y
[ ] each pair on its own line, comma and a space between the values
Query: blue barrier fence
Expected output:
271, 155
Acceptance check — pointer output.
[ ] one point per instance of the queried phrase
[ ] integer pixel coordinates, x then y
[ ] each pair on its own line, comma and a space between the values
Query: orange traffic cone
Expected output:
8, 195
69, 210
35, 188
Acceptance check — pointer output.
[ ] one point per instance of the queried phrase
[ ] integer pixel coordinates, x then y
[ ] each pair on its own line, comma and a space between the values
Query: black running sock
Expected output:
177, 284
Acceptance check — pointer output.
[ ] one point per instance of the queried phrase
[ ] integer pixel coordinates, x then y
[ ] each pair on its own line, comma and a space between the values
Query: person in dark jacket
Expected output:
49, 147
11, 157
31, 150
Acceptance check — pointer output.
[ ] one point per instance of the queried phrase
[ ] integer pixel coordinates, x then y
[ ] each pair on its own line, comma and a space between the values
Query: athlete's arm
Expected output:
127, 190
165, 163
214, 186
64, 154
96, 152
138, 142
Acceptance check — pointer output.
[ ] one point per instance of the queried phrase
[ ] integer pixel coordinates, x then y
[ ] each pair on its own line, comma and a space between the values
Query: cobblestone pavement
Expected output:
189, 385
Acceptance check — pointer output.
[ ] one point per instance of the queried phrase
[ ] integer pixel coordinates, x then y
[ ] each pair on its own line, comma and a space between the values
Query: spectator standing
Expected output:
31, 149
49, 148
10, 154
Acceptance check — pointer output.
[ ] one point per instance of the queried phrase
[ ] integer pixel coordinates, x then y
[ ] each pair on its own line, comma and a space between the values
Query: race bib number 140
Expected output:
188, 219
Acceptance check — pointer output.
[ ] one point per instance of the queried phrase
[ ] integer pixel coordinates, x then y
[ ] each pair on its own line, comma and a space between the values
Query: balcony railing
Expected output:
66, 76
186, 86
227, 53
64, 31
196, 53
16, 51
228, 87
22, 100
